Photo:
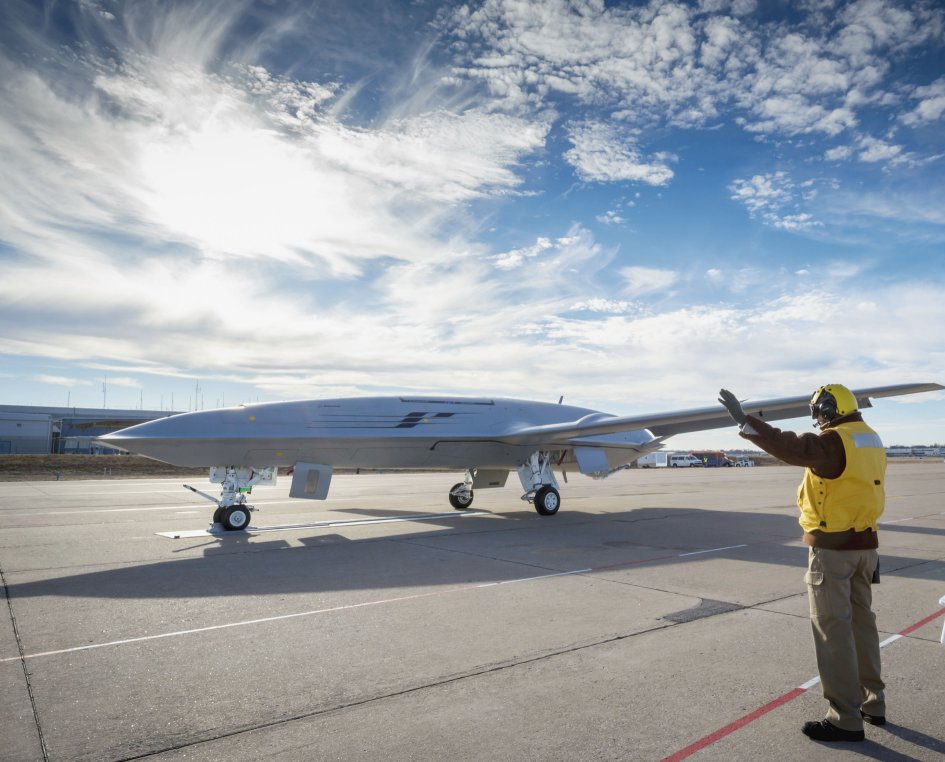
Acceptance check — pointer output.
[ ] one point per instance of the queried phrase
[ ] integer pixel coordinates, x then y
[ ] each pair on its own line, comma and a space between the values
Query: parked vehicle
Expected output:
743, 462
680, 460
658, 459
713, 458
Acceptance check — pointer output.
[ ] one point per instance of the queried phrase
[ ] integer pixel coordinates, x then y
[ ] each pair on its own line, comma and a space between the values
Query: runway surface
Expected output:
662, 614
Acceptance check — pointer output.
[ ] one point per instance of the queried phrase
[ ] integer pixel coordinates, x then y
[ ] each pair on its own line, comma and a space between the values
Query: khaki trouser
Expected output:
845, 636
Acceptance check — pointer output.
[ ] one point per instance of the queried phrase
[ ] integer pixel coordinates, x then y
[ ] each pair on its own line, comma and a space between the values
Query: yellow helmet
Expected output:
832, 401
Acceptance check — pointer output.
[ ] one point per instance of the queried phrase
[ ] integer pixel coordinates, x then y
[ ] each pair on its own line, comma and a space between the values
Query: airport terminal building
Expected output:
29, 430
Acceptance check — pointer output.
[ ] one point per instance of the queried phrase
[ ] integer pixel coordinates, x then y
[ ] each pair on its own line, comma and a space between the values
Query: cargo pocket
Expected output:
815, 594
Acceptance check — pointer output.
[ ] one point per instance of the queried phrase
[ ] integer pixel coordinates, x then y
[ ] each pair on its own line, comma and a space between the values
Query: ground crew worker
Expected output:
840, 498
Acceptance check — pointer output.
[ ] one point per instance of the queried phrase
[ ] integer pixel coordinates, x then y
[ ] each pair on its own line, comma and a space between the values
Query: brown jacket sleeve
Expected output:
822, 453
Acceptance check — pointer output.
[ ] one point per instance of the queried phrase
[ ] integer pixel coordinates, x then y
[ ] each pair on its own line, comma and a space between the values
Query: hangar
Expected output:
32, 430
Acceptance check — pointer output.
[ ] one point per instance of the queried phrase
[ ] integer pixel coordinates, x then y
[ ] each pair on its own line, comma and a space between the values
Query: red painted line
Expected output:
769, 707
731, 728
925, 621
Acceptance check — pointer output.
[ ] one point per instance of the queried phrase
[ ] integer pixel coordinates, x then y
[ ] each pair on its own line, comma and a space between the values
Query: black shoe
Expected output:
824, 731
873, 719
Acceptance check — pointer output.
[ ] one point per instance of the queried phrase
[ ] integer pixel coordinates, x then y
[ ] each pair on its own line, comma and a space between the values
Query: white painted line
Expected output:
112, 510
211, 628
142, 508
190, 533
712, 550
814, 680
86, 484
349, 607
281, 617
320, 524
532, 579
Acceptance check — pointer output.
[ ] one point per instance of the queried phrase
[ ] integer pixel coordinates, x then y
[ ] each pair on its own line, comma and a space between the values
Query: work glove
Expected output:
734, 406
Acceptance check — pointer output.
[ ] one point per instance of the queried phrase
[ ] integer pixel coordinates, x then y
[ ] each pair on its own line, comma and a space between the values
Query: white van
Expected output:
681, 460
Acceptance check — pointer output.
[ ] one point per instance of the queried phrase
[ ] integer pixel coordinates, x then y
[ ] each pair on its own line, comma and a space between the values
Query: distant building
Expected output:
915, 452
30, 430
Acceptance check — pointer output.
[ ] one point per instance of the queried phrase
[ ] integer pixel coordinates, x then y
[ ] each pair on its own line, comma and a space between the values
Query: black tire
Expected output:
547, 501
218, 515
460, 502
235, 518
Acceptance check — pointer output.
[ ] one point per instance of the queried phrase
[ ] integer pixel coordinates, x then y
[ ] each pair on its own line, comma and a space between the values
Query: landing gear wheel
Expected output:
218, 515
460, 500
547, 501
235, 517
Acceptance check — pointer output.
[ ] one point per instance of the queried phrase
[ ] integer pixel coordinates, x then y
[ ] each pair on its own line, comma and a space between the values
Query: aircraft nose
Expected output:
157, 438
185, 425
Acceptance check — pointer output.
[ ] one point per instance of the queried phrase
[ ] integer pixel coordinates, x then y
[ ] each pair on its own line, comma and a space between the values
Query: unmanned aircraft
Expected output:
487, 438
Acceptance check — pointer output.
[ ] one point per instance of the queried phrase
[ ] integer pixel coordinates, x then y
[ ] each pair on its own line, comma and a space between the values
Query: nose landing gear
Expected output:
232, 512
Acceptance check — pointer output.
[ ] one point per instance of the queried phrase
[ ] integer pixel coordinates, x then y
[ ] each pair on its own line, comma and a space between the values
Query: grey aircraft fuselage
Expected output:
487, 438
445, 433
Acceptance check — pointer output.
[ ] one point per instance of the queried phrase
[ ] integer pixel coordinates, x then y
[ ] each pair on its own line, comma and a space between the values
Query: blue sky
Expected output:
628, 204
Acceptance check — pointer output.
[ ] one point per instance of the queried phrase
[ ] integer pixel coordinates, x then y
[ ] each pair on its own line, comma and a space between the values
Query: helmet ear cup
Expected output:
824, 405
833, 401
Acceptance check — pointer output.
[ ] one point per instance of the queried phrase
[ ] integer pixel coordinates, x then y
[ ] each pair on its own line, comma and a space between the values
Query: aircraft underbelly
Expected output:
374, 453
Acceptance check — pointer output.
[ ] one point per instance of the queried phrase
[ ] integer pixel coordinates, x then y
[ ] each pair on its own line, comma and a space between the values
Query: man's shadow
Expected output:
873, 748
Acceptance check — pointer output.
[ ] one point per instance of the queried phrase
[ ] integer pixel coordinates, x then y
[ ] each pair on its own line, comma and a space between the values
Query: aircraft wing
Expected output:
696, 419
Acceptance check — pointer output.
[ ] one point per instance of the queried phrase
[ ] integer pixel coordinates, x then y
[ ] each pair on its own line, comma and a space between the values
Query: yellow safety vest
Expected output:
855, 499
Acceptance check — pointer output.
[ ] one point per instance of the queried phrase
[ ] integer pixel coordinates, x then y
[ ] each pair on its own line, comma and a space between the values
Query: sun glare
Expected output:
239, 190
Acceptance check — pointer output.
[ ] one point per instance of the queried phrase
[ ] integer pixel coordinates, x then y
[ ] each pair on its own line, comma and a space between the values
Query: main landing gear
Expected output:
538, 481
547, 500
461, 494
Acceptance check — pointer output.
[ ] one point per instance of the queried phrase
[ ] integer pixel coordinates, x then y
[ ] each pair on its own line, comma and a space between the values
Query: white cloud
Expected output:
838, 153
794, 113
602, 153
60, 380
763, 192
910, 212
170, 215
875, 150
803, 221
610, 217
531, 51
610, 306
868, 26
768, 197
812, 339
671, 64
238, 163
511, 260
931, 104
647, 280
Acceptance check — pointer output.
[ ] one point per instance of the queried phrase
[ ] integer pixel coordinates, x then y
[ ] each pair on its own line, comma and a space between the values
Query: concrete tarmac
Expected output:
662, 614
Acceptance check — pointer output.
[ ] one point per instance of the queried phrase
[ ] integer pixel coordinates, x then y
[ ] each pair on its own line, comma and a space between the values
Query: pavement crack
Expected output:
26, 674
367, 700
